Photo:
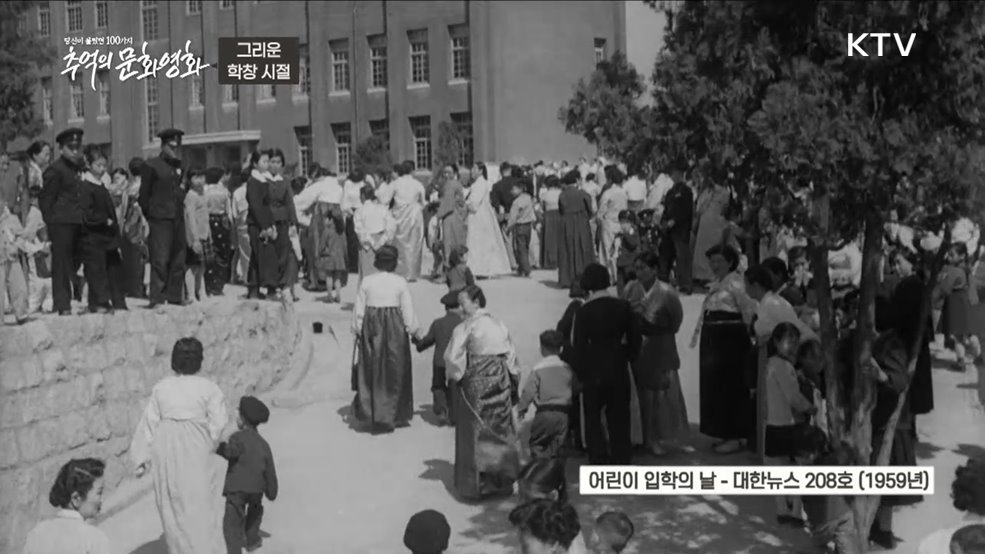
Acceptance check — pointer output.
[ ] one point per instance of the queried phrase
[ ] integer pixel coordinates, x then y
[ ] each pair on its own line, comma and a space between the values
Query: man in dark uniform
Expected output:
162, 201
501, 195
62, 213
675, 245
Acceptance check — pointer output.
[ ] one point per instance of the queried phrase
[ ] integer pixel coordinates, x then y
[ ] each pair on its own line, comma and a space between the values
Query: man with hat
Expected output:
162, 200
438, 336
61, 209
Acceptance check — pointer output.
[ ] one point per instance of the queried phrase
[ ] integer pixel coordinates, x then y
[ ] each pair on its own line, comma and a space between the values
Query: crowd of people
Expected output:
607, 386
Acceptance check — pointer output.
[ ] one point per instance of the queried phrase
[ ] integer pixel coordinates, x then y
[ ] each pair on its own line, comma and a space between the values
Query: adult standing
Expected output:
606, 339
59, 204
280, 200
575, 251
38, 157
384, 320
612, 201
712, 203
323, 199
239, 210
374, 227
176, 440
727, 412
501, 198
351, 201
408, 211
482, 359
550, 228
135, 232
452, 213
163, 203
489, 255
675, 246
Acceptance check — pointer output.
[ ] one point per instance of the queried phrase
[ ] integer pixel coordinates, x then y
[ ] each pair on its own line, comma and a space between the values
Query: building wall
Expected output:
525, 58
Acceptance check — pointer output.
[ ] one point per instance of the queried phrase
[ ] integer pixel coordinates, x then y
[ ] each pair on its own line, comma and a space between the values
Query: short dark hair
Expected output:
616, 529
968, 487
186, 356
553, 523
546, 475
276, 153
649, 258
727, 252
118, 171
36, 148
969, 539
93, 152
135, 166
595, 278
778, 268
213, 175
760, 275
457, 255
476, 295
613, 174
627, 216
403, 168
551, 340
357, 175
482, 169
76, 476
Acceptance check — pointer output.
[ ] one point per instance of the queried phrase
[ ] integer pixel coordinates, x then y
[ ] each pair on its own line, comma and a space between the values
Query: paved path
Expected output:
352, 493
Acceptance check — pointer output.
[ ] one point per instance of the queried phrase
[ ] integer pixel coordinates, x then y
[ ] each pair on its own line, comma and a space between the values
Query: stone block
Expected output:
93, 327
98, 422
95, 356
54, 366
39, 335
12, 410
63, 398
9, 452
96, 388
38, 440
116, 350
19, 373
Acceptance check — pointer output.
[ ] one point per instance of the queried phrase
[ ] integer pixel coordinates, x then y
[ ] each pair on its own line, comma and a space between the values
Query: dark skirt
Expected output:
329, 241
956, 316
268, 259
903, 452
134, 268
383, 370
352, 245
486, 458
727, 412
576, 249
550, 239
217, 268
781, 441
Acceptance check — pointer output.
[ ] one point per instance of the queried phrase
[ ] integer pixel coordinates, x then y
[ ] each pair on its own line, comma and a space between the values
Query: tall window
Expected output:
193, 7
377, 61
44, 19
460, 62
303, 136
265, 92
226, 5
230, 94
22, 24
102, 87
340, 65
420, 69
421, 129
599, 50
343, 147
380, 128
197, 88
102, 14
463, 122
73, 15
78, 101
153, 113
47, 104
148, 18
303, 88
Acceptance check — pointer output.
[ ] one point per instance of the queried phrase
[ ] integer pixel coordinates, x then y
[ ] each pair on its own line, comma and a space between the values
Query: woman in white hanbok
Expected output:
175, 440
488, 256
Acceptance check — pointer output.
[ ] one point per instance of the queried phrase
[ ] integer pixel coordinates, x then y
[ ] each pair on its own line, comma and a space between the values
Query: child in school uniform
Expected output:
459, 275
250, 477
550, 387
629, 249
785, 406
612, 533
438, 336
829, 518
12, 281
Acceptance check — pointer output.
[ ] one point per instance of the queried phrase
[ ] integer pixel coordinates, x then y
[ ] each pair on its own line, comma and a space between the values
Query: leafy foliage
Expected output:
21, 56
449, 147
372, 156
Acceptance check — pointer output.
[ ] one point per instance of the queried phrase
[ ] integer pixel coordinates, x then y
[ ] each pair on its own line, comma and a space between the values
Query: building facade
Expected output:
498, 70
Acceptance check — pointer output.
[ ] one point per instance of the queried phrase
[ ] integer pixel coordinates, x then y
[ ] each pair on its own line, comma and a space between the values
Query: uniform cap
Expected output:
72, 134
170, 134
450, 300
253, 410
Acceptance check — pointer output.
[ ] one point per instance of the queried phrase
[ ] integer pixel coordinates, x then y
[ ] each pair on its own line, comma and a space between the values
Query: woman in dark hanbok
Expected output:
576, 249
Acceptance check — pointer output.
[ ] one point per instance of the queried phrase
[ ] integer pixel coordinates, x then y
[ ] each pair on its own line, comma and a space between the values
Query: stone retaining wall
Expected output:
74, 387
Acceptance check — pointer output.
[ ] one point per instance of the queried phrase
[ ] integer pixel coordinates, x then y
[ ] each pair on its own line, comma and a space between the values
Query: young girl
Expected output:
198, 235
951, 297
459, 275
78, 496
784, 406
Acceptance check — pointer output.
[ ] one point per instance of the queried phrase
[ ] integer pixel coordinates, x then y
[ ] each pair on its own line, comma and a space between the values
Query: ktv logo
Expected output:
855, 48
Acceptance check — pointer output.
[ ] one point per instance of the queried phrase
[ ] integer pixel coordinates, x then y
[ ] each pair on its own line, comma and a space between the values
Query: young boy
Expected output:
198, 235
12, 281
550, 387
613, 531
438, 336
520, 224
250, 477
629, 248
830, 518
427, 532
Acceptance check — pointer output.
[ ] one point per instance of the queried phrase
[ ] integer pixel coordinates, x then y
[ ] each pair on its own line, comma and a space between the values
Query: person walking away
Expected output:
675, 245
239, 212
38, 157
101, 238
38, 257
375, 227
77, 494
576, 250
251, 476
135, 233
951, 294
452, 213
485, 238
612, 201
408, 204
439, 335
12, 282
59, 203
384, 318
176, 441
219, 204
427, 532
550, 240
459, 275
323, 202
550, 388
198, 235
520, 226
351, 200
162, 202
628, 248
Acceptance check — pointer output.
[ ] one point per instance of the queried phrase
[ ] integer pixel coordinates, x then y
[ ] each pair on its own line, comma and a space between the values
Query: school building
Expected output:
498, 70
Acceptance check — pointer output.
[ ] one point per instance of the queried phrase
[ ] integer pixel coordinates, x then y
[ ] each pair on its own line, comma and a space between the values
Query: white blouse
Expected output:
374, 225
408, 190
66, 533
479, 335
179, 398
478, 195
384, 193
327, 190
350, 197
240, 205
549, 198
384, 290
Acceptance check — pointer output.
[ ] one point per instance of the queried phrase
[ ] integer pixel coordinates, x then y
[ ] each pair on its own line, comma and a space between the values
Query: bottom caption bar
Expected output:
757, 480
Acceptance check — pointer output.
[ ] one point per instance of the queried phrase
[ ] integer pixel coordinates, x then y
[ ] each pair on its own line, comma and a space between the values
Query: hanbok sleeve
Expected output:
216, 413
407, 309
359, 310
143, 437
306, 198
390, 227
457, 355
512, 360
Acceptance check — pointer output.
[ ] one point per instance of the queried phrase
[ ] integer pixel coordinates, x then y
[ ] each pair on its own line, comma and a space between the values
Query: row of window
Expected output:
74, 15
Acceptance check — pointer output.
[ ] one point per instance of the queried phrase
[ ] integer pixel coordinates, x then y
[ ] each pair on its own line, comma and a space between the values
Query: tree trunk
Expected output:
825, 307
